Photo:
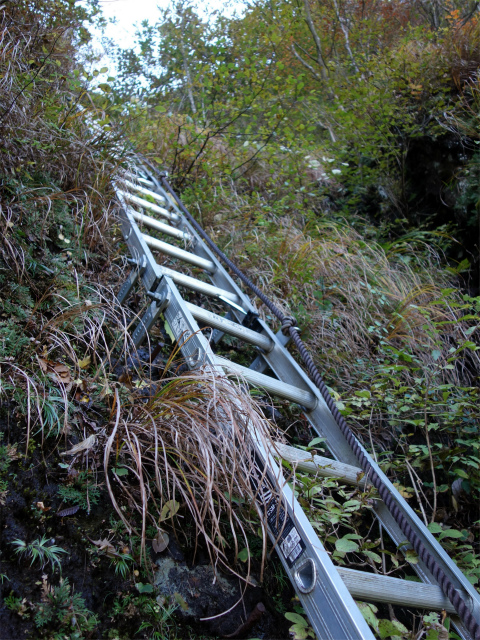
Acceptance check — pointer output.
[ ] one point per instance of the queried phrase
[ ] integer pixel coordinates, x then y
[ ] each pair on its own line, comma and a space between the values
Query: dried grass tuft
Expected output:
190, 445
351, 291
46, 118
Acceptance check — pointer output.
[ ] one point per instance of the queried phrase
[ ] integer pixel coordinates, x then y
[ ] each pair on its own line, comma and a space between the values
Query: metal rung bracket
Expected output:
160, 302
132, 279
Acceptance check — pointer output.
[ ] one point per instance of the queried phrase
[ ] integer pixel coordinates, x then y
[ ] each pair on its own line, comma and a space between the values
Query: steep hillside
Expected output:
330, 149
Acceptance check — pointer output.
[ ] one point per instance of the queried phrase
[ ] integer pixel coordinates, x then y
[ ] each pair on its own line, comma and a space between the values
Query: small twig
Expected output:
88, 498
417, 494
316, 39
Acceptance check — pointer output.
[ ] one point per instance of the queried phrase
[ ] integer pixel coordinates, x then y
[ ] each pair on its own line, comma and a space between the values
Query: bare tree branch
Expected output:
469, 15
309, 55
304, 62
328, 127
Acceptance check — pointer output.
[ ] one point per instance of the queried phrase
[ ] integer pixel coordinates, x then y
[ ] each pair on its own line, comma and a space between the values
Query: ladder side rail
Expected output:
326, 599
220, 277
139, 250
325, 425
323, 422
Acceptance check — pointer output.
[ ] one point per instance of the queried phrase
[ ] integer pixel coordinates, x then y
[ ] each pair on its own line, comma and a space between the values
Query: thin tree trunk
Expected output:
186, 69
316, 39
344, 27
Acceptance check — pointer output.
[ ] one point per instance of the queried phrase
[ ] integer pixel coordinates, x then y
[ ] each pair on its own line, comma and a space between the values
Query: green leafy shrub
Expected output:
63, 612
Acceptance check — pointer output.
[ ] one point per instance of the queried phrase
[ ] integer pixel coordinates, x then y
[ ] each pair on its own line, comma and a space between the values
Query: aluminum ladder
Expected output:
326, 591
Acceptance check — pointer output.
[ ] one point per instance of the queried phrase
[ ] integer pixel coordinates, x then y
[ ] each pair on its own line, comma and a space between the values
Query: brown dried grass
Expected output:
398, 294
47, 121
191, 443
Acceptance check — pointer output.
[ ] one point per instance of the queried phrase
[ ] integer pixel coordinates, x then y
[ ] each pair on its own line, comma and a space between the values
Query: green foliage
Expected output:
384, 628
300, 630
157, 613
53, 408
338, 514
63, 612
42, 550
15, 604
82, 491
123, 564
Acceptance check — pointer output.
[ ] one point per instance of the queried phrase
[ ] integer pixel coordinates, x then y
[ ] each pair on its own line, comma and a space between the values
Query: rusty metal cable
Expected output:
289, 325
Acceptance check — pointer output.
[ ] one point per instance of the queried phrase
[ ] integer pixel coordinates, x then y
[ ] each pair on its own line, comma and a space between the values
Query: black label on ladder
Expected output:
283, 529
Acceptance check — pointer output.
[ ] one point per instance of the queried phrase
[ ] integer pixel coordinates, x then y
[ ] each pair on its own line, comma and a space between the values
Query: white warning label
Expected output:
291, 547
180, 328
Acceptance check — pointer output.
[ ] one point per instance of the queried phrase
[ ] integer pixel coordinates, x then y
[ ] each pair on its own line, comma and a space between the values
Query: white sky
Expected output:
131, 12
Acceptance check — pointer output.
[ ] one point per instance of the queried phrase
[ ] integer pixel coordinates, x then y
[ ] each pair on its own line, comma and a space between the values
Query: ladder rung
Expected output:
272, 385
152, 223
147, 205
138, 178
147, 192
323, 594
325, 591
377, 588
304, 461
232, 328
149, 183
181, 254
198, 285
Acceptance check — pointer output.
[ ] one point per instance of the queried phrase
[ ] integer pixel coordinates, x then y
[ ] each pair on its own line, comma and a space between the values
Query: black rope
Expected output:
289, 325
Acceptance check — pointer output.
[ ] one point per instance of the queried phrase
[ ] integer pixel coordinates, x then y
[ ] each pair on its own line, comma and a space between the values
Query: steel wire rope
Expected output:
289, 324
